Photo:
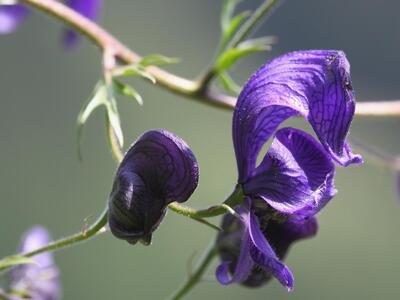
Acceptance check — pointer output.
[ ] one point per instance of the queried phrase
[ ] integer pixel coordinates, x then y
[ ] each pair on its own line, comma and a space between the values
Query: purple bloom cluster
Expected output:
295, 177
12, 15
39, 281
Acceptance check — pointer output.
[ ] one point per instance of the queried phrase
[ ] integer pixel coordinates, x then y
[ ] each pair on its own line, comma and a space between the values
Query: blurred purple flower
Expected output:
40, 281
88, 8
158, 169
296, 175
247, 248
12, 15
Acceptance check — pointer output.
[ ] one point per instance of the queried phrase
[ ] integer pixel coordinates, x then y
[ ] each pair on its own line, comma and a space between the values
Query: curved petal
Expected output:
295, 176
88, 8
11, 16
241, 268
253, 264
314, 84
158, 169
41, 280
264, 256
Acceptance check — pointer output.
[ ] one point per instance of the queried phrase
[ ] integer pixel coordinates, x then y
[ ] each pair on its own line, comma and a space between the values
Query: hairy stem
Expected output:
76, 238
197, 275
189, 88
95, 229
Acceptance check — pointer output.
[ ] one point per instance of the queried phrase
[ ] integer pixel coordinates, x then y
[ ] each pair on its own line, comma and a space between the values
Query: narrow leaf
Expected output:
14, 260
230, 56
134, 69
228, 7
127, 90
233, 26
157, 60
113, 116
98, 98
229, 84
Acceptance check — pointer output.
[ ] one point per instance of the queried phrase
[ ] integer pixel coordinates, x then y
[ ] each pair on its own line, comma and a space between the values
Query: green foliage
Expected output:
227, 59
232, 46
134, 69
103, 95
228, 83
15, 260
157, 60
127, 90
229, 23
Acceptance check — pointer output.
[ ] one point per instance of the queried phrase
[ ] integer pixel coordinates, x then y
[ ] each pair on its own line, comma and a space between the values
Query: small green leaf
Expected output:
157, 60
133, 69
228, 7
228, 83
14, 260
97, 99
127, 90
113, 116
230, 56
233, 26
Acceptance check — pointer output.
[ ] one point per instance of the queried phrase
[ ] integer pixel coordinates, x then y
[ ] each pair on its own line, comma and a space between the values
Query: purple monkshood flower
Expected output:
159, 168
295, 177
41, 280
12, 15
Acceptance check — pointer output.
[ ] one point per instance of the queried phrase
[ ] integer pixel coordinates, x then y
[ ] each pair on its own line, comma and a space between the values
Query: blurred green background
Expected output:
42, 86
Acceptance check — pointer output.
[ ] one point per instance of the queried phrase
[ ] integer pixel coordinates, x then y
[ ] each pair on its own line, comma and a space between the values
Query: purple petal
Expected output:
242, 267
88, 8
296, 175
11, 16
158, 169
314, 84
264, 256
255, 253
40, 281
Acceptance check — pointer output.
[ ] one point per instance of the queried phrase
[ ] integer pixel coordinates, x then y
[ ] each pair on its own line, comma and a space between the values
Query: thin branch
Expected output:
179, 85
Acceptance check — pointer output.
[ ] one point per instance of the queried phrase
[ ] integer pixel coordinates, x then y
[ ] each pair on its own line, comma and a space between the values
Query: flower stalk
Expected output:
191, 89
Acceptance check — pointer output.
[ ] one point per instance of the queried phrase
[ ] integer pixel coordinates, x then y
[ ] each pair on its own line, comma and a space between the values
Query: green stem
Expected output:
197, 275
234, 199
73, 239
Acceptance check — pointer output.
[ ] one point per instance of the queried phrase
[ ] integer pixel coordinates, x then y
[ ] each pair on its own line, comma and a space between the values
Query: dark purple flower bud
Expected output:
11, 16
158, 169
88, 8
40, 281
314, 84
252, 255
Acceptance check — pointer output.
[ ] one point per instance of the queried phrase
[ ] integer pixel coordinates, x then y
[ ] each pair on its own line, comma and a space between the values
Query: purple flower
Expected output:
295, 177
40, 281
158, 169
11, 16
296, 174
88, 8
249, 257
